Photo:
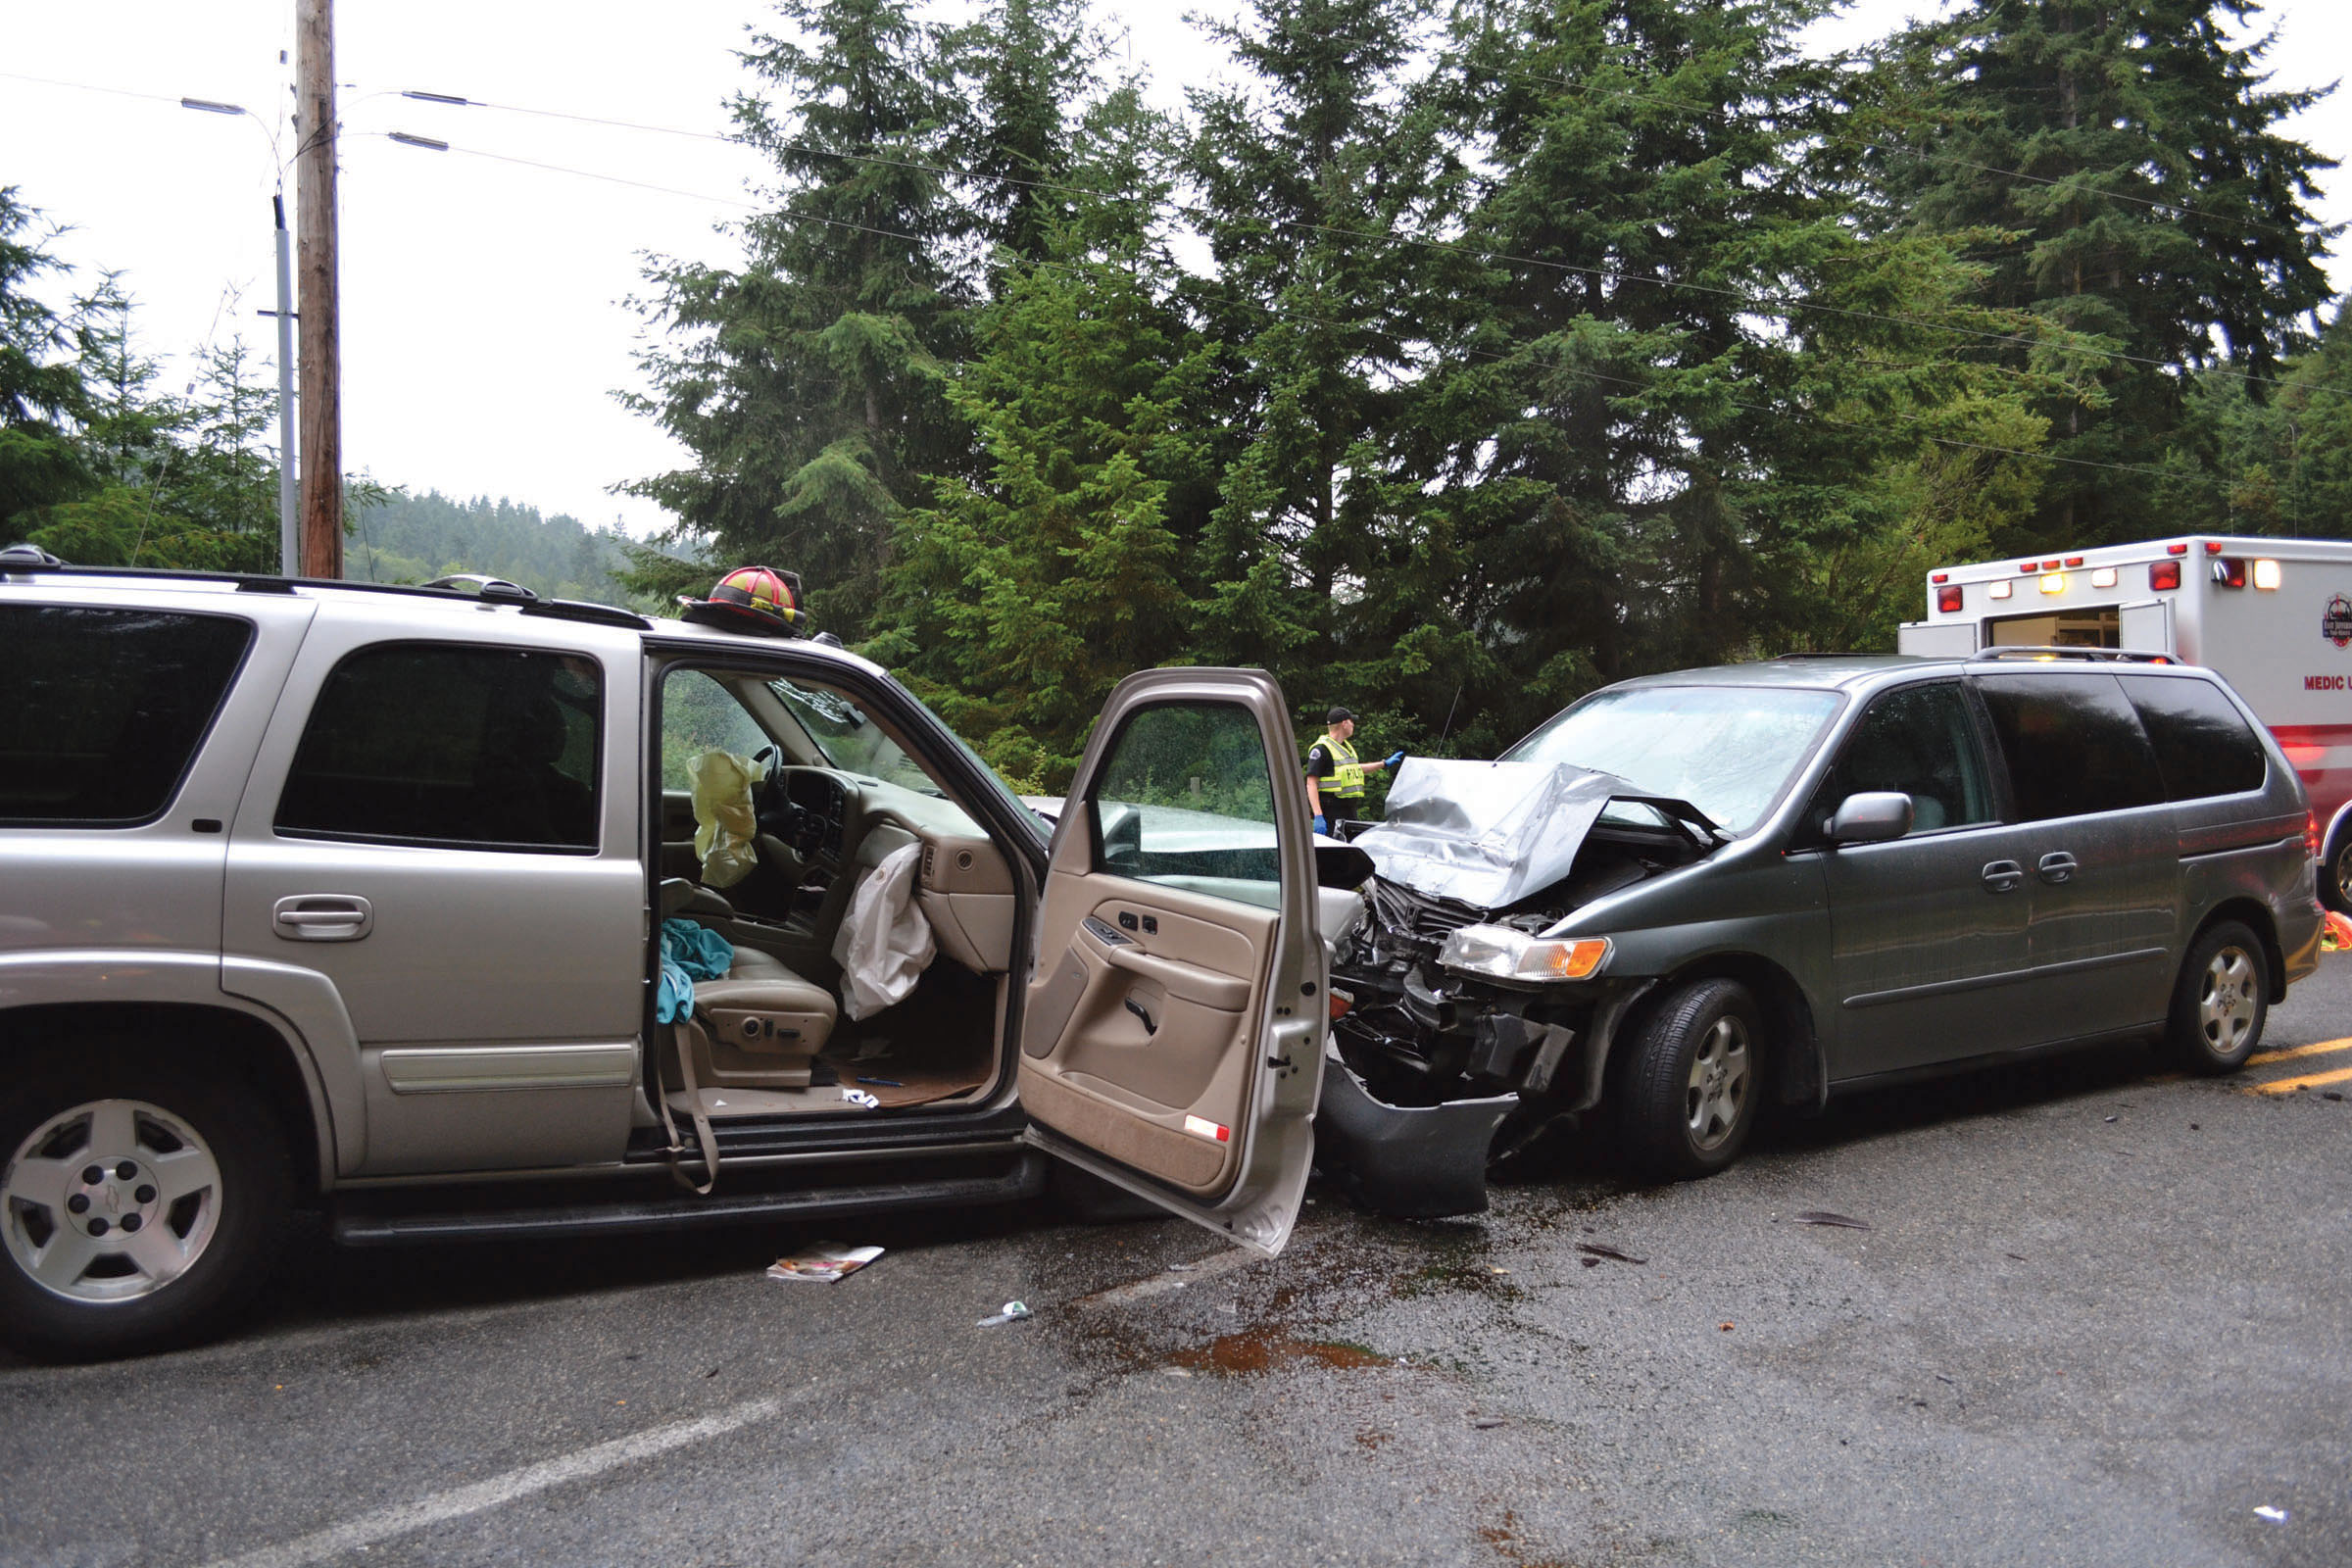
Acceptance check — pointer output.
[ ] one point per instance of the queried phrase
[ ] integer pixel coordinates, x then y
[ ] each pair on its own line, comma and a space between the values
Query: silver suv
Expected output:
357, 896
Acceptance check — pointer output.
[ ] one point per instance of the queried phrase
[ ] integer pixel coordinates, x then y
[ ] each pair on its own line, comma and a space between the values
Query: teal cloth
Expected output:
689, 953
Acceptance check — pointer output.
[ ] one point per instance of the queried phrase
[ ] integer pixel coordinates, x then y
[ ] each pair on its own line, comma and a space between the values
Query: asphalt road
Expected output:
2099, 1316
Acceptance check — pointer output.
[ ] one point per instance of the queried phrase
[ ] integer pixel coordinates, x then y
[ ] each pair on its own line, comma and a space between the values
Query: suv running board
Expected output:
1026, 1179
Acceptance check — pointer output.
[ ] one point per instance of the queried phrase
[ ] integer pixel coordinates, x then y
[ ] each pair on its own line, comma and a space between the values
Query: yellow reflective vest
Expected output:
1346, 781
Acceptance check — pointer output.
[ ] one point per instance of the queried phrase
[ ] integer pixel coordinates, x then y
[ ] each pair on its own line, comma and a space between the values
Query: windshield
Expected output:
1727, 750
848, 740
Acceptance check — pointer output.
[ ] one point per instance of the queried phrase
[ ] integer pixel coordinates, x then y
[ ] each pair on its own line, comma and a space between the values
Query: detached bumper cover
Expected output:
1408, 1161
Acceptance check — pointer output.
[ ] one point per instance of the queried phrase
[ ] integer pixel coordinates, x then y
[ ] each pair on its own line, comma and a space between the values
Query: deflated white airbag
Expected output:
885, 944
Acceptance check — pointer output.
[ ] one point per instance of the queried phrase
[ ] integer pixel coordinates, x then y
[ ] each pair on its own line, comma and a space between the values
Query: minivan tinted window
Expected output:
2072, 744
1920, 740
102, 709
464, 747
2203, 743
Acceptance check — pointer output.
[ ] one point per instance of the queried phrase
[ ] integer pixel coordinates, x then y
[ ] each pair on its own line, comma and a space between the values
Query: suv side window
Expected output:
1918, 740
2072, 743
2203, 745
451, 746
1184, 798
102, 709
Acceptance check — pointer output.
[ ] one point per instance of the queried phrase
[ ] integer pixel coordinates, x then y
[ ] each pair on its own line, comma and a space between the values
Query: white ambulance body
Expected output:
2273, 615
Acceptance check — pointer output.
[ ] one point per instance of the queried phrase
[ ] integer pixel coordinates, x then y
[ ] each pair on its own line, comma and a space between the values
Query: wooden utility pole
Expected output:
322, 393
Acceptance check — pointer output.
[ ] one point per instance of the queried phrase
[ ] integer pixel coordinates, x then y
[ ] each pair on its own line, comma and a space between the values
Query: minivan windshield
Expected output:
1727, 750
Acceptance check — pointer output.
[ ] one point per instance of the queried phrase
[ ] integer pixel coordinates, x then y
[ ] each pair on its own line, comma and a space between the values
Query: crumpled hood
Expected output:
1486, 834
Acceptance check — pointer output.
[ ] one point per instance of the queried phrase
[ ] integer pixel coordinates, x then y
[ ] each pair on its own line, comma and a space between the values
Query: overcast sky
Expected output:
484, 326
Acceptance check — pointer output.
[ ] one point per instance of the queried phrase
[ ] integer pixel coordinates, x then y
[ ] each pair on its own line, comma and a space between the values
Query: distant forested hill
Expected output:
415, 538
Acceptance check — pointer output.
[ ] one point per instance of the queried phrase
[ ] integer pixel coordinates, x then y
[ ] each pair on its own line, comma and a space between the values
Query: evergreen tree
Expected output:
1317, 178
2128, 151
42, 395
808, 386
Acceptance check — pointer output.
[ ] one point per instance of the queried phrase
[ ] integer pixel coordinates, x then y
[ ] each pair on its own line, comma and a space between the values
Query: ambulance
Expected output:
2273, 615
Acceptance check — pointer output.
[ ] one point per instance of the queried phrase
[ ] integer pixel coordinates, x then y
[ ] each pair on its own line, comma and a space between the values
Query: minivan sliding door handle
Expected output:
2004, 876
2056, 866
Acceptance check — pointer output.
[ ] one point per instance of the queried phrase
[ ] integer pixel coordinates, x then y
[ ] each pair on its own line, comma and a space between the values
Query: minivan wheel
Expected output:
2221, 1000
140, 1207
1692, 1080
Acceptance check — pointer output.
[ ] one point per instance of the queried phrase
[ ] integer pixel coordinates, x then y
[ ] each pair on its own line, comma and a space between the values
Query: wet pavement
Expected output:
2087, 1312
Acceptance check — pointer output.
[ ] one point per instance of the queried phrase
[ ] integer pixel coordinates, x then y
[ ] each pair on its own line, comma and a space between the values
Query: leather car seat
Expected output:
763, 1025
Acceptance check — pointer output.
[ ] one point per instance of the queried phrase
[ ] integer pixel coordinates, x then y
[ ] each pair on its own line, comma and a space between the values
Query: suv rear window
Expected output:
102, 709
453, 747
2202, 741
2072, 743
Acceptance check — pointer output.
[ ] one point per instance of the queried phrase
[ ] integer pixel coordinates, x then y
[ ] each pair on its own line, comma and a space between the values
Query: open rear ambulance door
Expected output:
1172, 1032
2145, 627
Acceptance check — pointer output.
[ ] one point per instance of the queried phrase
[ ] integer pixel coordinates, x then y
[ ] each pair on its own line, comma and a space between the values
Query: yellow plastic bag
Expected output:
724, 822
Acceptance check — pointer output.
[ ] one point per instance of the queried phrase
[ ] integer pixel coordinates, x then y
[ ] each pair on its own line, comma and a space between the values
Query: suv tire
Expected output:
140, 1205
1693, 1077
2220, 1000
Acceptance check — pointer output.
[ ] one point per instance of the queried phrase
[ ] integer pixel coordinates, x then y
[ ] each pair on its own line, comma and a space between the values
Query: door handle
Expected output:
2056, 866
323, 917
2004, 876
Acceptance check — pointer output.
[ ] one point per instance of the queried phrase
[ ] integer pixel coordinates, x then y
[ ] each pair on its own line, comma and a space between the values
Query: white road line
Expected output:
398, 1520
1161, 1284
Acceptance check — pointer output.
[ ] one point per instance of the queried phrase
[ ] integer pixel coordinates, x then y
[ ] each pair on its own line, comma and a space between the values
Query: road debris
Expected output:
823, 1260
1822, 1216
1011, 1313
1725, 1326
859, 1097
1486, 1423
1594, 1253
2276, 1516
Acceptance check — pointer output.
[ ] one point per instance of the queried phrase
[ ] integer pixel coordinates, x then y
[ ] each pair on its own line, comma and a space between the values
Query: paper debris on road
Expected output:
1012, 1310
1822, 1216
2276, 1516
826, 1260
859, 1097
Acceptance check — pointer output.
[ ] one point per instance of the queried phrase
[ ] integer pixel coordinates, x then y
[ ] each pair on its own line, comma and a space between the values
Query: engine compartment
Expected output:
1418, 1034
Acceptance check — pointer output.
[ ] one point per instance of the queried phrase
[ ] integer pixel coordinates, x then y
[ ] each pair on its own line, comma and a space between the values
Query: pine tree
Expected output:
42, 395
810, 385
2130, 152
1317, 178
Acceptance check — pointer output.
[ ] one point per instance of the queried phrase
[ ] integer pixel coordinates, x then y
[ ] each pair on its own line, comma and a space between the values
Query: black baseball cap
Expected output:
1338, 715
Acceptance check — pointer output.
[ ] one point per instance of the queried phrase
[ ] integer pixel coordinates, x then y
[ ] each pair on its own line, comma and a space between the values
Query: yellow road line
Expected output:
2262, 1059
2287, 1086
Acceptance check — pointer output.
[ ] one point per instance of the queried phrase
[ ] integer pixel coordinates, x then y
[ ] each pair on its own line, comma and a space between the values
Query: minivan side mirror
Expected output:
1870, 817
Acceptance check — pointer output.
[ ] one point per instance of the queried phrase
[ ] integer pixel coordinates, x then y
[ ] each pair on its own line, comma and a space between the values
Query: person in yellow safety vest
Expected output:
1335, 777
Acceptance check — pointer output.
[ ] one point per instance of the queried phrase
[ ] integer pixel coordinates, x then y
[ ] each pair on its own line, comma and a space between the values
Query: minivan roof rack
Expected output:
2092, 655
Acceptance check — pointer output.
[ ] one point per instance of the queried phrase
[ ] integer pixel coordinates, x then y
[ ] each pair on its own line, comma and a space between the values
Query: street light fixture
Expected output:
289, 554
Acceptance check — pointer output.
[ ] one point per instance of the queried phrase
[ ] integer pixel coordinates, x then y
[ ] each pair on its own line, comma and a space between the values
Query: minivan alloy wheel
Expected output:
110, 1200
2227, 1007
1719, 1081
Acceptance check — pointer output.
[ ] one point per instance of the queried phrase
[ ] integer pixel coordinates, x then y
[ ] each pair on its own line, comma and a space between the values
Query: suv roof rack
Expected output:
20, 563
2091, 655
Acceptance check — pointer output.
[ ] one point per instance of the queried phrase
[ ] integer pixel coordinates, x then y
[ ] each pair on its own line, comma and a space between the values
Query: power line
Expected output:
1278, 312
1766, 305
1779, 307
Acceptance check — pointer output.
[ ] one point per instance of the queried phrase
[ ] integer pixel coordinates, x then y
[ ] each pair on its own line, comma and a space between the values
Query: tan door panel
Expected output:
1171, 1031
1159, 1025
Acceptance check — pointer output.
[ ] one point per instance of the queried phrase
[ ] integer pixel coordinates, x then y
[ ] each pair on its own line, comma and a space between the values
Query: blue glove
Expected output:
1394, 758
1322, 825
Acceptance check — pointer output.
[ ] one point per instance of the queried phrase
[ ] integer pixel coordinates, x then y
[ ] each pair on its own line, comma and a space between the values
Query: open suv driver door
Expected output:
1172, 1037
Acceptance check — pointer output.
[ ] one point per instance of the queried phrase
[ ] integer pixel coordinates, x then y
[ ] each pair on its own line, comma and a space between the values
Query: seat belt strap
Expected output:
684, 1046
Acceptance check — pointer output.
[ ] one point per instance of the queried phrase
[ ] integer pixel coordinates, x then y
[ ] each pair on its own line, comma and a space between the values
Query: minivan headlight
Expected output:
1508, 954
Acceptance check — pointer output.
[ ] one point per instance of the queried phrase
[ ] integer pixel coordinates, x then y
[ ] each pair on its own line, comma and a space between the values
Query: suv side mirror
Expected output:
1871, 817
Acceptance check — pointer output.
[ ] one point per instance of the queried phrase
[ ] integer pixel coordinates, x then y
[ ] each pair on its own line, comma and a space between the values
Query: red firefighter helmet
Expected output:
754, 599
